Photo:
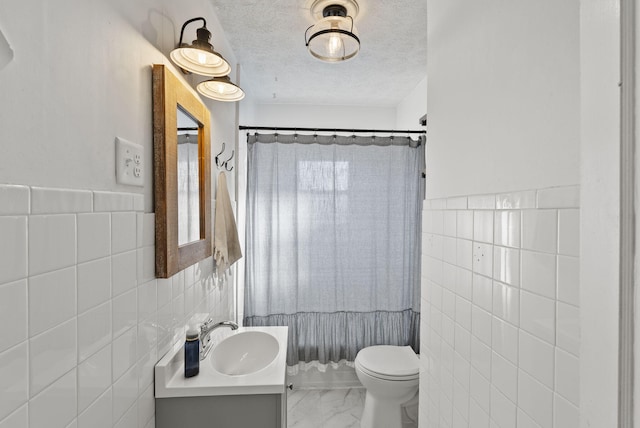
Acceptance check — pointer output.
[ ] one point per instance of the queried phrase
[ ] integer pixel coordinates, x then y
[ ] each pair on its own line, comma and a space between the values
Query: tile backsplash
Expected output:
500, 304
84, 320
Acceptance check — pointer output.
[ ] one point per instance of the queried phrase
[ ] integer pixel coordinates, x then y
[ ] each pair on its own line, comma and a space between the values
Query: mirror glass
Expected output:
188, 178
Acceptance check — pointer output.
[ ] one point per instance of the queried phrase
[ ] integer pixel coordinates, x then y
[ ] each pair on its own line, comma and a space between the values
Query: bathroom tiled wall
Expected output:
500, 311
82, 318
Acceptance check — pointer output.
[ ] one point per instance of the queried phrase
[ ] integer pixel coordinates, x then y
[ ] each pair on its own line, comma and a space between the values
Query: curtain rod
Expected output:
353, 131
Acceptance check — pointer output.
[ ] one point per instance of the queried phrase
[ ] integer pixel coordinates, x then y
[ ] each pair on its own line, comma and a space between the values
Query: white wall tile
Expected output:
478, 418
482, 292
516, 200
94, 283
568, 334
448, 303
125, 392
124, 312
147, 298
52, 354
13, 314
482, 202
524, 421
507, 228
463, 313
94, 236
164, 291
52, 242
480, 390
506, 265
57, 405
464, 283
56, 201
503, 410
146, 367
99, 414
535, 399
568, 376
94, 378
539, 230
462, 342
449, 247
460, 404
123, 232
539, 273
447, 331
506, 303
559, 197
569, 232
146, 269
459, 203
504, 376
536, 357
52, 299
124, 353
14, 378
537, 316
464, 254
566, 415
483, 259
18, 419
112, 201
435, 222
13, 248
123, 272
450, 223
14, 200
146, 406
483, 226
94, 330
464, 224
481, 325
569, 280
138, 202
504, 340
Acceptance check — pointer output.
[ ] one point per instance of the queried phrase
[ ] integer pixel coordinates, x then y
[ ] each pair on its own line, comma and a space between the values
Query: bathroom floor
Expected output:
335, 408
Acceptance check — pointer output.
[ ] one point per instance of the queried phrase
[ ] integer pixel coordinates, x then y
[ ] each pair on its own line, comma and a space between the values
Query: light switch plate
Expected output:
129, 163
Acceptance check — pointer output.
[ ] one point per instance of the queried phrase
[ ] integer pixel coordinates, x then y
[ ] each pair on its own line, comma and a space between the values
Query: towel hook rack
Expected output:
218, 162
226, 163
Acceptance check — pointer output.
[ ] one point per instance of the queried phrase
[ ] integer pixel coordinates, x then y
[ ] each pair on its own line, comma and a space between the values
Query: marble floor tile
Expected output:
335, 408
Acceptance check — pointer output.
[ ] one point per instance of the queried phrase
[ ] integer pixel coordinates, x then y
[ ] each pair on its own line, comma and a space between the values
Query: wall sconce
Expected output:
6, 53
334, 37
199, 57
220, 89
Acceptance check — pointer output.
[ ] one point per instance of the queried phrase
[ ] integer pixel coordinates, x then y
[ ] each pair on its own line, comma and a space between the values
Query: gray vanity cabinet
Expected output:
223, 411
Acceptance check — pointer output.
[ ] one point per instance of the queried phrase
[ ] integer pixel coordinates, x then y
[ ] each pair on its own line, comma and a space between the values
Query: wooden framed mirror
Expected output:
182, 174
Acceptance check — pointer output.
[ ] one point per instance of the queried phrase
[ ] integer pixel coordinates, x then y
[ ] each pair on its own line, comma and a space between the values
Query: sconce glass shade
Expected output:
220, 89
199, 57
333, 39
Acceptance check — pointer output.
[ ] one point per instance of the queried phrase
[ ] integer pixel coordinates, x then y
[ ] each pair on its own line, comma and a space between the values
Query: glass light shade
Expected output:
333, 39
200, 61
220, 89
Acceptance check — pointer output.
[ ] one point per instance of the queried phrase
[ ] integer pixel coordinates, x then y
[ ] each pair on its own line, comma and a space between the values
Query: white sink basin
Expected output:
244, 353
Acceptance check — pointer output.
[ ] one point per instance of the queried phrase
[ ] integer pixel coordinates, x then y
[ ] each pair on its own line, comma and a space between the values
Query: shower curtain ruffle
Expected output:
332, 337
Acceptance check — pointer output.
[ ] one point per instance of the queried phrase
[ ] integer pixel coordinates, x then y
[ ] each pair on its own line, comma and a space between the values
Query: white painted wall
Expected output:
310, 116
503, 96
77, 80
413, 107
600, 176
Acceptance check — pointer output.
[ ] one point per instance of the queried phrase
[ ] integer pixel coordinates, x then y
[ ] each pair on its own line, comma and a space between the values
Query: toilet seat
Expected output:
394, 363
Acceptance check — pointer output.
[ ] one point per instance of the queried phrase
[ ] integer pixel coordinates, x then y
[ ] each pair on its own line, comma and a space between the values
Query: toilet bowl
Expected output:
390, 376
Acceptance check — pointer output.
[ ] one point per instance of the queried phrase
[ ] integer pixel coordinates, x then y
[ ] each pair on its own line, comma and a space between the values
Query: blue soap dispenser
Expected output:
192, 352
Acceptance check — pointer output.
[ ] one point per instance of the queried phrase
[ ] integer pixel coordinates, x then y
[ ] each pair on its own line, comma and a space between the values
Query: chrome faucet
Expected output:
205, 331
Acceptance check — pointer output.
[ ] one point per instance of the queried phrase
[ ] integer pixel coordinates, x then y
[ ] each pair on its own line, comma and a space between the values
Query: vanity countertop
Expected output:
170, 381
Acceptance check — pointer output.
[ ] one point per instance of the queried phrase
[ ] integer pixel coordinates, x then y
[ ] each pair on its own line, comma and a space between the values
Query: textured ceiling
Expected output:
267, 37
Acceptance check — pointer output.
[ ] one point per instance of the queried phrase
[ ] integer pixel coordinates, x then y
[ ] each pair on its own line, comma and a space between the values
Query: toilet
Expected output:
390, 376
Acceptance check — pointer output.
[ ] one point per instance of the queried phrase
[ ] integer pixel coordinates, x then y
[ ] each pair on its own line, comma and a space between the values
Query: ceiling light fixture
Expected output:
334, 37
220, 89
199, 57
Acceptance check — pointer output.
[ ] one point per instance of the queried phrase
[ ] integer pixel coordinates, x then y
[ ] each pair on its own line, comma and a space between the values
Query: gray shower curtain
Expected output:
333, 242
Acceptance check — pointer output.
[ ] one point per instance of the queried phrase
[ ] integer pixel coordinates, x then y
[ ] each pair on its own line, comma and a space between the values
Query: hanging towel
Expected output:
226, 247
